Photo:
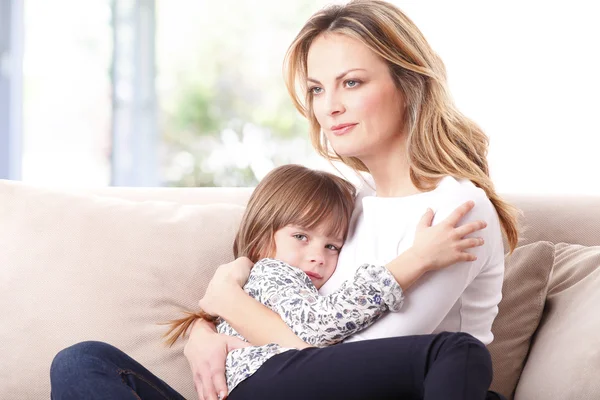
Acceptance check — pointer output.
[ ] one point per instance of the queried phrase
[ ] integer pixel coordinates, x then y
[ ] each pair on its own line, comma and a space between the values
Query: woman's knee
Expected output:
460, 339
465, 342
72, 360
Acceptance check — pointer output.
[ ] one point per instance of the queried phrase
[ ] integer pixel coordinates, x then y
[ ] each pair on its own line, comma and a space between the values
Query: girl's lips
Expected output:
342, 129
313, 275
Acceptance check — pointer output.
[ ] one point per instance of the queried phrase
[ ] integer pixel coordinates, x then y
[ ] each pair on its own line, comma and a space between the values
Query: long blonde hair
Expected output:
441, 140
290, 194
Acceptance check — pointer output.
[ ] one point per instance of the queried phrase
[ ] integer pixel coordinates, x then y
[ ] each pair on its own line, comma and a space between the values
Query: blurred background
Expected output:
190, 92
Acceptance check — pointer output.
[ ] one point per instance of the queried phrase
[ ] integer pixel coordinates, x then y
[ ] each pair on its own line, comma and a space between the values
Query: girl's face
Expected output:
310, 250
355, 100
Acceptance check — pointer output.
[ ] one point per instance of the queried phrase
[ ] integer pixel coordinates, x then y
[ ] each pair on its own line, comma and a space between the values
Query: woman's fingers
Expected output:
214, 387
199, 391
220, 385
206, 352
209, 392
459, 213
215, 377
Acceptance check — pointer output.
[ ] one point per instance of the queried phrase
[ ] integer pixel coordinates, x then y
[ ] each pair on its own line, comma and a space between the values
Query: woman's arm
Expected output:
257, 323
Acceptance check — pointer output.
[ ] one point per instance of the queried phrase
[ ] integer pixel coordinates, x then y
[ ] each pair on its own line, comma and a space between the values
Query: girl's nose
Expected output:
317, 259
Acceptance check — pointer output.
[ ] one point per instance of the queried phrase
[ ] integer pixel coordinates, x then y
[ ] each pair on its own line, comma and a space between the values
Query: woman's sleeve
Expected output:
325, 320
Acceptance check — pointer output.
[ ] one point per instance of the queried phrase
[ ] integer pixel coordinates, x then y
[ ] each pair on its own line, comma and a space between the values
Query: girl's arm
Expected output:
326, 320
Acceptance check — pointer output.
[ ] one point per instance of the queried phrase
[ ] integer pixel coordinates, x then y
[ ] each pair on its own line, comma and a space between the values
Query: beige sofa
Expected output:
109, 264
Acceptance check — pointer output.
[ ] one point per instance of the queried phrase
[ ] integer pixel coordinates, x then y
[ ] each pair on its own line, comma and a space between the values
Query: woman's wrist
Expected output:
201, 325
233, 295
220, 300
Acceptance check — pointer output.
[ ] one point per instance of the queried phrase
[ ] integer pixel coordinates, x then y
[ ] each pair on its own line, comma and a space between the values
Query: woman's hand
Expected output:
227, 277
206, 352
445, 244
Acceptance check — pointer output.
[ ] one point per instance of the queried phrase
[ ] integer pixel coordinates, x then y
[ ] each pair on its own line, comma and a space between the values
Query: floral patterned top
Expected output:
318, 320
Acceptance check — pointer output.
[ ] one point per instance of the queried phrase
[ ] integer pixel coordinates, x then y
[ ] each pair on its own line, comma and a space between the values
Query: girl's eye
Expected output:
315, 90
332, 247
300, 236
352, 83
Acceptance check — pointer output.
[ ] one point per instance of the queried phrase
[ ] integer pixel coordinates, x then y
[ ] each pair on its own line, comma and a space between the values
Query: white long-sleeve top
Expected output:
461, 298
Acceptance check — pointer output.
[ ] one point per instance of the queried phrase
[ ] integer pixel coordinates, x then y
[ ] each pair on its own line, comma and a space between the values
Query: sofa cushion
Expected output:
523, 295
564, 359
77, 267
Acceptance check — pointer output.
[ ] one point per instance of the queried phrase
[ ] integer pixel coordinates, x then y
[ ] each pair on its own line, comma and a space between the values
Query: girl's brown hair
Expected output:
441, 140
291, 194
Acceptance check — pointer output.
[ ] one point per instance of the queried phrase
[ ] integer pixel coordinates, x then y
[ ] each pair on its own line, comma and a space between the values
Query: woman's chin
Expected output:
347, 151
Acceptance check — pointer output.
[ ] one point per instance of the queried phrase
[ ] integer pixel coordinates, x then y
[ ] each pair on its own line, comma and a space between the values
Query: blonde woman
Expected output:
377, 99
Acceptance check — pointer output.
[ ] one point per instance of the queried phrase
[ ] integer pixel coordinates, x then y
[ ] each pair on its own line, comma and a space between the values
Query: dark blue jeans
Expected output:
96, 370
444, 366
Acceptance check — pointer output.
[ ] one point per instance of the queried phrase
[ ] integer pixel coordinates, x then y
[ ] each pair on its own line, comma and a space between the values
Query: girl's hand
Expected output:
445, 244
227, 277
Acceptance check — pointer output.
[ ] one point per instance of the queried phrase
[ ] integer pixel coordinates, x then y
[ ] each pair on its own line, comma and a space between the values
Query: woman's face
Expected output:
355, 100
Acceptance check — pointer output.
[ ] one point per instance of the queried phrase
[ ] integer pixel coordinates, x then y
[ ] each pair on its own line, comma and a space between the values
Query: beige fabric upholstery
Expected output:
79, 267
523, 297
564, 362
568, 219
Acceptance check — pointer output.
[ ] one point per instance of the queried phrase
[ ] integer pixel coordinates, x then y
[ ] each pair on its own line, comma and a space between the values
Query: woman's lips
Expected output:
342, 129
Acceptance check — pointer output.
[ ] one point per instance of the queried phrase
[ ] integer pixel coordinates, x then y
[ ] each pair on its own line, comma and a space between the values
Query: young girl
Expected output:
293, 229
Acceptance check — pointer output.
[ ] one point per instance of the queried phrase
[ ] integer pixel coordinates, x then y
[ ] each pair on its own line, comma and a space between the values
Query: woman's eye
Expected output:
315, 90
352, 83
332, 247
300, 236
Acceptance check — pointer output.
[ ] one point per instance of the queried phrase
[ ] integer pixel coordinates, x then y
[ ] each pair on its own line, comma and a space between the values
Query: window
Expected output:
67, 89
217, 112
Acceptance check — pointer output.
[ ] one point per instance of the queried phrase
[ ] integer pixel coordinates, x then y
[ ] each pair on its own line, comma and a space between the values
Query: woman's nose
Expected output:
334, 105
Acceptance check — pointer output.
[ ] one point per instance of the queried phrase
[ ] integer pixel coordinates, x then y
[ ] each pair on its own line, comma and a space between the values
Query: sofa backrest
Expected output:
568, 219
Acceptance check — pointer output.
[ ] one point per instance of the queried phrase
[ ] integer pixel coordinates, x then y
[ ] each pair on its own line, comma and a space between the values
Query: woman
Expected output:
377, 100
